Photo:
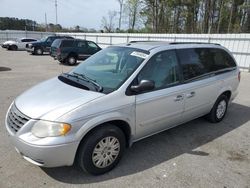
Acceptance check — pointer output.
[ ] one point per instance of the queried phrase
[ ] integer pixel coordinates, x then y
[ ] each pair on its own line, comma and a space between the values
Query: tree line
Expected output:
8, 23
180, 16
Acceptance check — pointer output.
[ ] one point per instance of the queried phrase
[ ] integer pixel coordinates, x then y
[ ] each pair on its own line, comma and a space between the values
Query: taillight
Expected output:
239, 76
58, 51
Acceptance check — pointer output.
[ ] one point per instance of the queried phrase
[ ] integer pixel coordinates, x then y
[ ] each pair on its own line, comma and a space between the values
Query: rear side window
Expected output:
28, 40
67, 43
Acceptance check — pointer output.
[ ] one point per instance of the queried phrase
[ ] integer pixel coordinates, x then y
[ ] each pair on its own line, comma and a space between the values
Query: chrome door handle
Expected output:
190, 95
178, 98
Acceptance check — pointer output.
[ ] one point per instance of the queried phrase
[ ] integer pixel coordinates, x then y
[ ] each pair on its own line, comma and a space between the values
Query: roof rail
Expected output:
193, 43
138, 41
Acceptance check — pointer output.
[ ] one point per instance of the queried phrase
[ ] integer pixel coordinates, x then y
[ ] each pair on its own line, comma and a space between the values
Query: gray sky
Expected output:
85, 13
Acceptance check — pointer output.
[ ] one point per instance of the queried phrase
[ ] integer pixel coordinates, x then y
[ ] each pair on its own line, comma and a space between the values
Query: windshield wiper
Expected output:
92, 81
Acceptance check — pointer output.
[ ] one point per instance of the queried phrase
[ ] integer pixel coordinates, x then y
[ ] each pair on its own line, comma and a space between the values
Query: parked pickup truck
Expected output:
70, 50
39, 47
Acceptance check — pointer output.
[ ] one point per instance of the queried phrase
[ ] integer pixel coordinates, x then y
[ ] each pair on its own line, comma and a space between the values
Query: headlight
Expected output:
44, 129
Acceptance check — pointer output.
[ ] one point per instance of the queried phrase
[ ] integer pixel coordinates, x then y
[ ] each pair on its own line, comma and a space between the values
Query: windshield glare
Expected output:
112, 66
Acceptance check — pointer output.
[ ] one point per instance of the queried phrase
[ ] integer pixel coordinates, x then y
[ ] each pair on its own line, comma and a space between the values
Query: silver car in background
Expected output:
18, 44
118, 96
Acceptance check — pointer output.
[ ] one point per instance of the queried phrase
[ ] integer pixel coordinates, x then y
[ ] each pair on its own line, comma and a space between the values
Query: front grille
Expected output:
16, 119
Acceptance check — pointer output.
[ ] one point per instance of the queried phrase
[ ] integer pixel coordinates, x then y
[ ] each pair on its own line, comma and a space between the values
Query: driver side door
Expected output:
162, 107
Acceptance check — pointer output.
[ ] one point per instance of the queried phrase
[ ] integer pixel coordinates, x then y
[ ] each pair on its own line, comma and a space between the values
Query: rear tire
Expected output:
71, 60
219, 109
101, 150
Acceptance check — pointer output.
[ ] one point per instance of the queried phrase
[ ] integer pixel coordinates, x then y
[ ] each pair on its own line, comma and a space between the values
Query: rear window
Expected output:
67, 43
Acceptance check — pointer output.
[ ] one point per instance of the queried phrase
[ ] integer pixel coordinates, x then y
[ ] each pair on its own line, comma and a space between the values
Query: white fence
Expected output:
238, 44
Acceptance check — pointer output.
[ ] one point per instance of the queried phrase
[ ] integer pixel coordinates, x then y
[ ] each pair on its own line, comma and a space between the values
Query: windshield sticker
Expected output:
139, 54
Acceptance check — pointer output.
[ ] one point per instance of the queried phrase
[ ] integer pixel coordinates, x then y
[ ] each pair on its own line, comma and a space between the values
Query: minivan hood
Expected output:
51, 99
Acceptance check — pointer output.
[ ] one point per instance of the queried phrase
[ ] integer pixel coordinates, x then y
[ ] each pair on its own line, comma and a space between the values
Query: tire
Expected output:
219, 109
13, 47
71, 60
38, 51
87, 158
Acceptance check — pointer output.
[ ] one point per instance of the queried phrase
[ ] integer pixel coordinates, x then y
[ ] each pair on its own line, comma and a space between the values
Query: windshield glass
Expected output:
43, 39
110, 67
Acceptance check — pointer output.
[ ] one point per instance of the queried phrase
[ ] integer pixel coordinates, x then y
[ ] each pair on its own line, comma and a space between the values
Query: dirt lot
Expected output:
196, 154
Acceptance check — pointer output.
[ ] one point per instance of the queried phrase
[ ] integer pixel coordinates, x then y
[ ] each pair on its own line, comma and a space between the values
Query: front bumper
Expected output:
5, 45
46, 156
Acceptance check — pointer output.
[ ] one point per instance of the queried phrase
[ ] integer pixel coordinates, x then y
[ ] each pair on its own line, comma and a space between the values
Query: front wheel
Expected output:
219, 110
101, 150
38, 51
13, 47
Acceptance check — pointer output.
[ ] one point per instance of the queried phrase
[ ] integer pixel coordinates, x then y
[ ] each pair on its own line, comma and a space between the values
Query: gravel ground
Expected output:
196, 154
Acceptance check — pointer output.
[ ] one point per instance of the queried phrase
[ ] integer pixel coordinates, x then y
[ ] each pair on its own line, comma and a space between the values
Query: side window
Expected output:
25, 40
195, 62
162, 69
81, 44
67, 43
92, 45
221, 59
50, 39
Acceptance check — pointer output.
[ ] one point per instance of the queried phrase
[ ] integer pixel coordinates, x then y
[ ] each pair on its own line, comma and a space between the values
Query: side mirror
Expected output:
144, 85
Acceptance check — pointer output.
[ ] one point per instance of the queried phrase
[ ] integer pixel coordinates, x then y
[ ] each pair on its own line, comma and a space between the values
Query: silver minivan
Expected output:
118, 96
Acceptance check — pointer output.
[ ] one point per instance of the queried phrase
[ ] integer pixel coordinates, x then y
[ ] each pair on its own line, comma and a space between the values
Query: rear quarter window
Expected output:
221, 59
196, 62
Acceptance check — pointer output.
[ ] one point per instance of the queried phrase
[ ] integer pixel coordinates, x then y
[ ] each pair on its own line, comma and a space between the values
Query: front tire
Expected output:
13, 47
38, 51
219, 109
101, 150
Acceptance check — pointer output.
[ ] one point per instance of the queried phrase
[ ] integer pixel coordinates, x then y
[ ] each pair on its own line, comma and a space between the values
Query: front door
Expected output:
161, 108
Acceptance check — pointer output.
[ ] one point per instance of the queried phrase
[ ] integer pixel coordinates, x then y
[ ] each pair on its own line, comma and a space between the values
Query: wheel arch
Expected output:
97, 122
72, 54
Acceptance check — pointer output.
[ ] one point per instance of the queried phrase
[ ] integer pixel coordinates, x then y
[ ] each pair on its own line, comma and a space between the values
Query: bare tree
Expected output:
120, 12
133, 10
108, 22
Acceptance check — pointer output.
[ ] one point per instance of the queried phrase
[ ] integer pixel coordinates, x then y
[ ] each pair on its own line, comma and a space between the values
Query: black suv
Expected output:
70, 50
43, 45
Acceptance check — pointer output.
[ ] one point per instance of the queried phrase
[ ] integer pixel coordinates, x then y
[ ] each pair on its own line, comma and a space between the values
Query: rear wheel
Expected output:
71, 60
219, 109
101, 150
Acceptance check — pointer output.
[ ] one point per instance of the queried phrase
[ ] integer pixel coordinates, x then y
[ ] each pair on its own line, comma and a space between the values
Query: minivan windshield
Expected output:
110, 67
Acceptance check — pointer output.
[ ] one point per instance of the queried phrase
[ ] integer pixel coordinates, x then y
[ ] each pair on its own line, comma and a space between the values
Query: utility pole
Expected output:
46, 25
56, 10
